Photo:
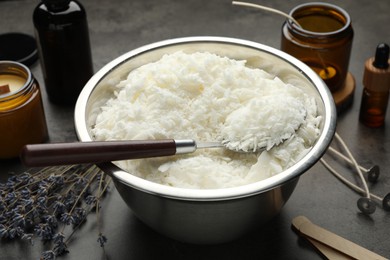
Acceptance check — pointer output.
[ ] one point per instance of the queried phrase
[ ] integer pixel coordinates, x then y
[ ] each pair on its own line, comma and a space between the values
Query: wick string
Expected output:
347, 182
341, 141
265, 8
276, 11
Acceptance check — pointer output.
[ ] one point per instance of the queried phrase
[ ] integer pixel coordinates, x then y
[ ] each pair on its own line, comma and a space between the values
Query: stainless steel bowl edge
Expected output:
168, 46
217, 215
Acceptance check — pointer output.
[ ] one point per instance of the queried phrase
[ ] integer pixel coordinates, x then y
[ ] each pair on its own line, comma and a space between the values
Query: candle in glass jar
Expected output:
322, 39
22, 118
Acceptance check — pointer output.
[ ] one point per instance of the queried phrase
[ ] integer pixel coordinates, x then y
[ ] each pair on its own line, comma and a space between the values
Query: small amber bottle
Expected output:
376, 81
22, 118
322, 39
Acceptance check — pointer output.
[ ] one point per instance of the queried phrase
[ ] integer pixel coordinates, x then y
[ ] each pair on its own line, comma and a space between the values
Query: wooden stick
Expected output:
324, 237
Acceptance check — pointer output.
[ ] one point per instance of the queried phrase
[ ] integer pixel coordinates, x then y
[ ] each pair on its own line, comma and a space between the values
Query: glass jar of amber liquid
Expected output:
322, 39
22, 118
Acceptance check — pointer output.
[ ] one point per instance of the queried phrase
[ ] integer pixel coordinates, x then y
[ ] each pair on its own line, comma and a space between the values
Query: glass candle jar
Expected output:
322, 40
22, 118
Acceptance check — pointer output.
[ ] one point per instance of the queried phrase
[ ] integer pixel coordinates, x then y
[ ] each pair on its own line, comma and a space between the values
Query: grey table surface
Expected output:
118, 26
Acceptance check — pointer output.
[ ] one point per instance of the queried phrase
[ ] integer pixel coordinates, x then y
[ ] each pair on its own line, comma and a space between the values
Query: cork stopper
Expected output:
376, 75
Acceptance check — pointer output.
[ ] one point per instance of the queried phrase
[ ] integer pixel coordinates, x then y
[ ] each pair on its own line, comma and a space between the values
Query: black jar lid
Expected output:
18, 47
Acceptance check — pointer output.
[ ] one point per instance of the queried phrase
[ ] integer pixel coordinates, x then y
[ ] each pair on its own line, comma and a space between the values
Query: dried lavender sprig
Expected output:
68, 216
29, 203
92, 206
32, 204
101, 238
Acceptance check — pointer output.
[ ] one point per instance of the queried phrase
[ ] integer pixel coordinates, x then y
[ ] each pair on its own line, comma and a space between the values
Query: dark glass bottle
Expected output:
376, 82
61, 30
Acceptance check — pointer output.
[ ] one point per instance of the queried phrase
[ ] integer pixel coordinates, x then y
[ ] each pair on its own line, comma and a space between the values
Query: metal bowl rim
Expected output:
213, 194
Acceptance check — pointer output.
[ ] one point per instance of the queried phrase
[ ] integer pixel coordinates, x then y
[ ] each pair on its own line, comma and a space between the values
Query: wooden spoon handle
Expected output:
38, 155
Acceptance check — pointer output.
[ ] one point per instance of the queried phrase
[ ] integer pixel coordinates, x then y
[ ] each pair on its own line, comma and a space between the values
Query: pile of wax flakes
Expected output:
50, 204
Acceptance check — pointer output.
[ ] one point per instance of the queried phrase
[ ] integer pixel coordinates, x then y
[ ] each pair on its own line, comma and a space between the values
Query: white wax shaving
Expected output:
206, 97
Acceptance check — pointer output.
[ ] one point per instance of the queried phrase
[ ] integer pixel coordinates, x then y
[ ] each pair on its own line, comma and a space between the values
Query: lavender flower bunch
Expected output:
50, 204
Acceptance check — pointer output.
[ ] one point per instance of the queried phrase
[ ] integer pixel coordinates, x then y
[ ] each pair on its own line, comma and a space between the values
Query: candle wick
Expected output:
269, 9
4, 89
324, 67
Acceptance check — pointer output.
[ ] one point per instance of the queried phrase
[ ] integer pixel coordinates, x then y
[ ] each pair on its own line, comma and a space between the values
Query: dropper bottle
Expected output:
376, 81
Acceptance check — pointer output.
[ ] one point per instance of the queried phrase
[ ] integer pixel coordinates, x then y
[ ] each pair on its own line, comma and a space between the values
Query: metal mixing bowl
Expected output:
218, 215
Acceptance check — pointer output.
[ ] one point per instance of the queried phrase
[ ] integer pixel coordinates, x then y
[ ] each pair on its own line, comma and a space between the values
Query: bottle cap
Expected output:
376, 75
18, 47
56, 5
381, 60
59, 2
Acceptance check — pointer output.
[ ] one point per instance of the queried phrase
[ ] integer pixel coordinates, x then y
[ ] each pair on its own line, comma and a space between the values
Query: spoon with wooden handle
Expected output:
52, 154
